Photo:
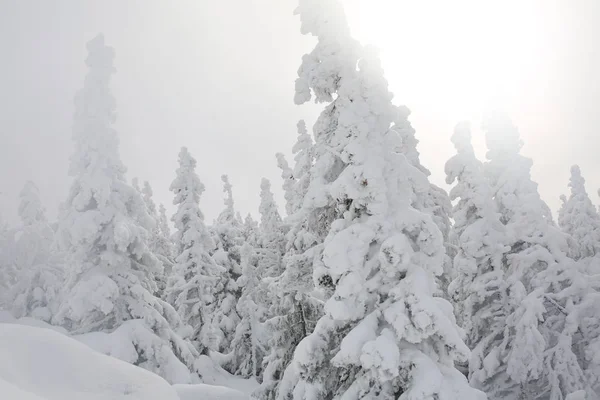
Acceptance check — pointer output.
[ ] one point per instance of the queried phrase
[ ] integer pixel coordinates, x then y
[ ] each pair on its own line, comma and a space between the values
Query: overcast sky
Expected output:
217, 77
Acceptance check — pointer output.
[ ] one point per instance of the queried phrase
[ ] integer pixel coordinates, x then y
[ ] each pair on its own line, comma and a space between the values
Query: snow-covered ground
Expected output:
38, 363
52, 366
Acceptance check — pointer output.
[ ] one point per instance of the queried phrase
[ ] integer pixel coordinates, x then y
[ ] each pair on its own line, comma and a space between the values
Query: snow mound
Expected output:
204, 392
123, 342
11, 392
38, 364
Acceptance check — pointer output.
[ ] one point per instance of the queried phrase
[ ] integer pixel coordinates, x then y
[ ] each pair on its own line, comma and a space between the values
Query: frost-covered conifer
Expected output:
548, 295
160, 241
303, 161
163, 222
40, 273
383, 334
105, 230
579, 218
479, 290
296, 179
247, 350
147, 194
294, 305
250, 231
227, 234
288, 182
196, 278
271, 234
8, 272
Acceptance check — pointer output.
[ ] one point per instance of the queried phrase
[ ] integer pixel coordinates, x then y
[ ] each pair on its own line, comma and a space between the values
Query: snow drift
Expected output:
41, 364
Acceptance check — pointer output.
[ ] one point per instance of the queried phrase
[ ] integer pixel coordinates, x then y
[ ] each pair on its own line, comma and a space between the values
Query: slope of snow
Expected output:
208, 392
38, 363
123, 342
11, 392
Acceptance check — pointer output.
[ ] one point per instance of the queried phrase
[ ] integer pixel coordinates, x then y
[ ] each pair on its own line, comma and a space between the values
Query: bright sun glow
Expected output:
459, 57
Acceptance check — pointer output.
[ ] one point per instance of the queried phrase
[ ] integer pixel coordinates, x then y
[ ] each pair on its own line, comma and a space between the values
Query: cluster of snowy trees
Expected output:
376, 284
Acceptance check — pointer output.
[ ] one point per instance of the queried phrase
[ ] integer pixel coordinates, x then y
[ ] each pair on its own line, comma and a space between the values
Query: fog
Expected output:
218, 77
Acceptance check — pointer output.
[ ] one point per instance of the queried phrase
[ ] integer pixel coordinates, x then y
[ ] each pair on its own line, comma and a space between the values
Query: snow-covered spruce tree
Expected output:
579, 218
293, 311
288, 182
8, 271
479, 290
37, 260
247, 350
271, 234
384, 335
228, 239
548, 294
196, 279
105, 230
303, 161
250, 231
160, 241
163, 221
296, 308
297, 179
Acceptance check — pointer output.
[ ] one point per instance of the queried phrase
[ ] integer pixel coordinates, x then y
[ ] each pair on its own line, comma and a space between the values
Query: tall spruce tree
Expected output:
105, 229
247, 349
160, 242
271, 233
479, 290
579, 218
228, 238
38, 262
196, 280
548, 293
383, 334
288, 182
295, 306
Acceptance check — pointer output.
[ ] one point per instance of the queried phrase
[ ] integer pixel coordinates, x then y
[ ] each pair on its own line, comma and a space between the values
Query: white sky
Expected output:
217, 76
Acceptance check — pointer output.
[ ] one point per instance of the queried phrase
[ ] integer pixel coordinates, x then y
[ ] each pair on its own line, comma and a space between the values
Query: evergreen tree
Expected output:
196, 279
580, 219
288, 182
297, 179
227, 233
303, 161
547, 292
271, 234
295, 306
250, 231
383, 334
160, 242
40, 275
105, 229
147, 194
479, 290
247, 351
8, 272
163, 223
